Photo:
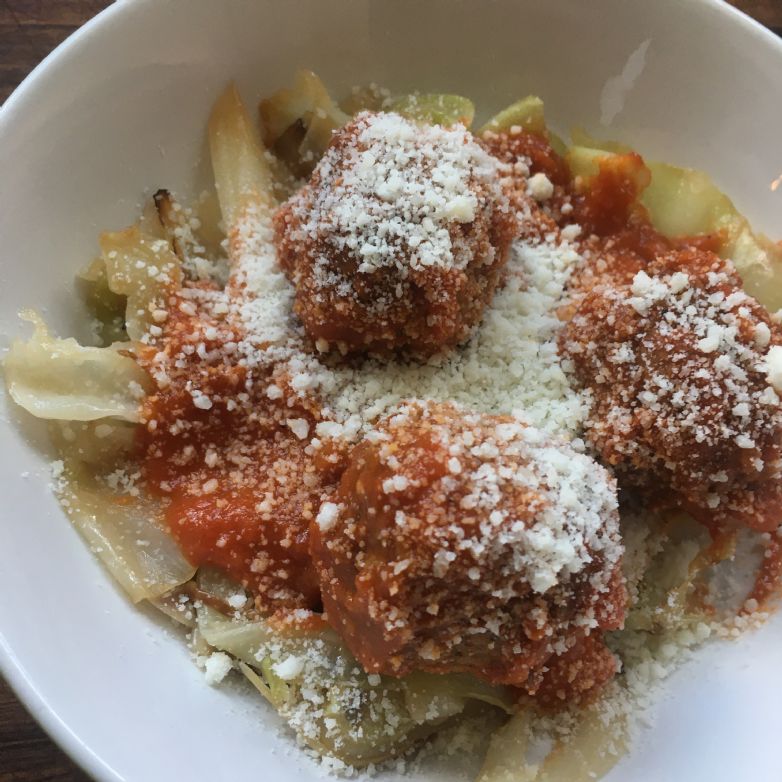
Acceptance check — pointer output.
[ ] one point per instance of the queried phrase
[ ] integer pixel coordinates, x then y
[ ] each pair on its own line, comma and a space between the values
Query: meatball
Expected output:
465, 542
680, 363
399, 239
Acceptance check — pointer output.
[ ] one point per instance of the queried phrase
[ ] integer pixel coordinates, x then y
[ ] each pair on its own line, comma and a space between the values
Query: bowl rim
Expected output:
11, 667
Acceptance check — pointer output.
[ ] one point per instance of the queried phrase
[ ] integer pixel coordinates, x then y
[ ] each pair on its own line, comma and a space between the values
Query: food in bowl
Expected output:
411, 423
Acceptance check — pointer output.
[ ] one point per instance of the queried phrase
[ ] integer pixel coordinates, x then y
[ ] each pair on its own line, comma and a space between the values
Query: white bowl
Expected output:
119, 110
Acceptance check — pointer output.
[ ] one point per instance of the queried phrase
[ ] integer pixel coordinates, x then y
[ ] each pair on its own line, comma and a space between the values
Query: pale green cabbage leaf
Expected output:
61, 379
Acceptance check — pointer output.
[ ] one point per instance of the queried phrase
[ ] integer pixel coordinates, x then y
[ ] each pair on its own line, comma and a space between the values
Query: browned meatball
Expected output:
680, 364
399, 238
465, 542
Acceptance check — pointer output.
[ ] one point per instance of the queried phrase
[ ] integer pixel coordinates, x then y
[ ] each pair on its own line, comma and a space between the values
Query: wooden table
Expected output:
29, 30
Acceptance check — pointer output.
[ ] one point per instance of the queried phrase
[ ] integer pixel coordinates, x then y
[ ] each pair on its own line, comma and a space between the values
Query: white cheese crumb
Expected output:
679, 282
762, 335
774, 367
395, 483
461, 208
712, 341
299, 426
289, 668
239, 600
201, 401
327, 516
642, 283
216, 668
540, 187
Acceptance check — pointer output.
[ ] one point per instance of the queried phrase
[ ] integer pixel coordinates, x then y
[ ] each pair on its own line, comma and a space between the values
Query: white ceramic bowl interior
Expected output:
119, 110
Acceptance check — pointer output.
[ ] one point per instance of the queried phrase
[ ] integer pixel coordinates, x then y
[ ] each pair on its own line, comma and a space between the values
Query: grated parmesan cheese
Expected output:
403, 185
511, 362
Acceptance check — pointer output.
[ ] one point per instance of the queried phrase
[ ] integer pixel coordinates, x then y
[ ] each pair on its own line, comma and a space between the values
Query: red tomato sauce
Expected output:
238, 488
611, 199
537, 149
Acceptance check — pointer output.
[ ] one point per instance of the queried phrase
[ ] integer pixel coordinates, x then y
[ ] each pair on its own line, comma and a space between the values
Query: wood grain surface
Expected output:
29, 30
